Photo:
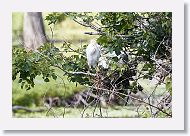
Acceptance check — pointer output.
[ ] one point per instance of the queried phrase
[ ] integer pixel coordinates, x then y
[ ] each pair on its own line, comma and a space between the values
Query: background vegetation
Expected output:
144, 37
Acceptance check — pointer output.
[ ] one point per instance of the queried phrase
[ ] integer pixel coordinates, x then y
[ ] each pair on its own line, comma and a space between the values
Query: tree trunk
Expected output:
34, 33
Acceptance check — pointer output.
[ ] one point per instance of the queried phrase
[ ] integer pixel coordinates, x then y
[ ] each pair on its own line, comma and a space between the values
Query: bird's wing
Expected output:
99, 48
92, 51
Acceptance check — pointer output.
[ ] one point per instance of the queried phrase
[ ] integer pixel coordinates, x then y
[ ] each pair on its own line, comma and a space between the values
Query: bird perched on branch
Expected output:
93, 53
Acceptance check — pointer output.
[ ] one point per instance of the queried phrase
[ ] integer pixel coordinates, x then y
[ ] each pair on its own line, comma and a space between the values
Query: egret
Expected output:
103, 62
93, 53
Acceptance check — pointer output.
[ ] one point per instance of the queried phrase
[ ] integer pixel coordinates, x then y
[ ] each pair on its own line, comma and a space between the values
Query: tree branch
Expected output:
132, 98
81, 73
15, 108
94, 33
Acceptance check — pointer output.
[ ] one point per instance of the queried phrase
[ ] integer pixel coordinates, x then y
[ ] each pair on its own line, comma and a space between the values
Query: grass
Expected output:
148, 87
108, 112
118, 111
69, 31
34, 97
66, 30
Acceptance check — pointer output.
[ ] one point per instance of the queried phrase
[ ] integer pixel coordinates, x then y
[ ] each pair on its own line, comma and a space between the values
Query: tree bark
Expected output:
34, 32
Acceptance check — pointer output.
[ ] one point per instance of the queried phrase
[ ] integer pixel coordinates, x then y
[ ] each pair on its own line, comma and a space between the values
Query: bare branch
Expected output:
93, 33
81, 73
132, 98
15, 108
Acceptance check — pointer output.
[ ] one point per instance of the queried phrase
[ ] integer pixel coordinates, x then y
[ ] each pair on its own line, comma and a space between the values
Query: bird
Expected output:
93, 53
103, 62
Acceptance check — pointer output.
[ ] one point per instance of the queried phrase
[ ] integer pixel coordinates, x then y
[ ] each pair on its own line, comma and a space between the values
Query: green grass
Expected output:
66, 30
34, 97
109, 112
118, 111
69, 31
148, 87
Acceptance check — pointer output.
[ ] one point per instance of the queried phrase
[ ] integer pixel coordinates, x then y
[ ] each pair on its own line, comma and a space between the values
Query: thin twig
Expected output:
134, 99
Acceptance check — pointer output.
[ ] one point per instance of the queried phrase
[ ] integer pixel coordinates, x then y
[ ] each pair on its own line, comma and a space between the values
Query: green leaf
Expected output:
20, 80
54, 77
46, 80
22, 85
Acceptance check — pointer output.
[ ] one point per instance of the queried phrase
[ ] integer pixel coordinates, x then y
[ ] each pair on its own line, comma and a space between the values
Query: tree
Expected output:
34, 32
141, 44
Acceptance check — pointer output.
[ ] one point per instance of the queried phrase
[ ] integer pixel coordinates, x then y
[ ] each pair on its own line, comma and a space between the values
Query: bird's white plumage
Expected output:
103, 62
93, 53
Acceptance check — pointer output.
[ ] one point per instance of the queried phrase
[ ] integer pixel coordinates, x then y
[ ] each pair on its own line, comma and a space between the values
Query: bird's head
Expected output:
93, 42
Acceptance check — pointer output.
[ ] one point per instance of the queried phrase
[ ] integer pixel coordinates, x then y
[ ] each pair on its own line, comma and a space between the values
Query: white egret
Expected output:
103, 61
93, 53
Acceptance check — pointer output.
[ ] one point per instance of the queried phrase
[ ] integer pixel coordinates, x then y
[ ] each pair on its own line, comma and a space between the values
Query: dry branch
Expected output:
15, 108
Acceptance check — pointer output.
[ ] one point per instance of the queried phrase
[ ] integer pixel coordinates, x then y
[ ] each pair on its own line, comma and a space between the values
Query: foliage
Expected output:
55, 17
145, 37
34, 97
27, 65
134, 38
43, 63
